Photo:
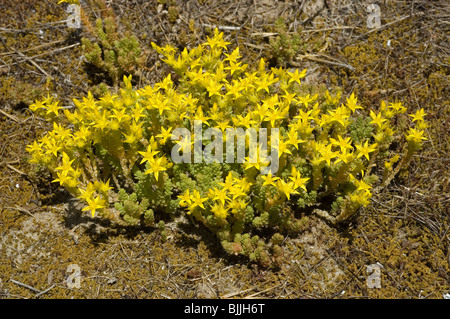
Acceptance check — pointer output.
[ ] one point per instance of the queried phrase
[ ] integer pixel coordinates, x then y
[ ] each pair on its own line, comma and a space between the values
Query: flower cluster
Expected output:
114, 153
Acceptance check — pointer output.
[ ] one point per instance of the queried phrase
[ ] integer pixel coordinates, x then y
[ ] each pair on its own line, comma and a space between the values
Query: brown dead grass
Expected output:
405, 230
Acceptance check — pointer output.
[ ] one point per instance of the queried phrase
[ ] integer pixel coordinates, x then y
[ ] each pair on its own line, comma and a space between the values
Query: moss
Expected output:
17, 92
410, 267
173, 13
118, 263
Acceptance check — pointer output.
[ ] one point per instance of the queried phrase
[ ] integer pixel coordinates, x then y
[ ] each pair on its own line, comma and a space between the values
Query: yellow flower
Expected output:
70, 1
269, 180
149, 154
305, 100
196, 201
200, 116
120, 115
364, 150
223, 124
138, 112
166, 84
297, 179
219, 195
244, 121
228, 184
233, 56
261, 112
161, 106
94, 204
344, 144
265, 82
60, 132
418, 116
296, 76
345, 157
195, 63
304, 116
234, 89
421, 125
361, 198
289, 97
415, 136
185, 199
388, 164
377, 119
360, 184
237, 206
249, 165
237, 192
165, 135
286, 188
101, 122
86, 193
103, 187
293, 138
327, 153
217, 41
156, 166
397, 107
340, 116
213, 88
37, 105
272, 102
63, 178
235, 66
53, 147
108, 98
185, 143
34, 148
352, 103
66, 163
243, 184
214, 113
273, 115
130, 138
333, 100
282, 147
81, 136
219, 211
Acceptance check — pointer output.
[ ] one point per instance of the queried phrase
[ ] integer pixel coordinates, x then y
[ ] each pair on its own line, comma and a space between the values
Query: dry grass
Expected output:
406, 229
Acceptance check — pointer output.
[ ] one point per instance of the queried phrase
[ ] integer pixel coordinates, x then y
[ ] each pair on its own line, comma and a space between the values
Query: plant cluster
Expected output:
110, 50
284, 46
114, 153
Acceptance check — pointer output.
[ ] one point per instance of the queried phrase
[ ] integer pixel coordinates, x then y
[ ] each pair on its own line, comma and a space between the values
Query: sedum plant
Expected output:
114, 52
116, 154
284, 46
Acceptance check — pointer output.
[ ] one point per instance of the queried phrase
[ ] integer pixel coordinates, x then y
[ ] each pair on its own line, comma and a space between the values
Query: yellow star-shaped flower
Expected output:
94, 204
269, 180
419, 115
165, 135
352, 103
296, 76
365, 150
156, 166
377, 119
